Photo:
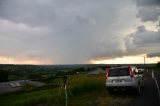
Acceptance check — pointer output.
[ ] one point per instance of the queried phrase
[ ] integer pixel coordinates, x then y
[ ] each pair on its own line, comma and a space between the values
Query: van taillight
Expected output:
130, 71
107, 73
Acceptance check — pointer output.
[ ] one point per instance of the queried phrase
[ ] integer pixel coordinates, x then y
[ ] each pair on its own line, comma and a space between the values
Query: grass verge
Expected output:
81, 90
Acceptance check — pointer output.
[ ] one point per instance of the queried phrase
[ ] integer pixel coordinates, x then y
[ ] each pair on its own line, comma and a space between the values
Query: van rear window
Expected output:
119, 72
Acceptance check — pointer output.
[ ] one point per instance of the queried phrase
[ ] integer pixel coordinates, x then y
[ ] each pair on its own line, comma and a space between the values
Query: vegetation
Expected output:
3, 76
158, 65
25, 99
81, 90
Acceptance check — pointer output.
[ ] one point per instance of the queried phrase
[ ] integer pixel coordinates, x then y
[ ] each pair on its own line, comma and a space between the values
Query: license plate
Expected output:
117, 81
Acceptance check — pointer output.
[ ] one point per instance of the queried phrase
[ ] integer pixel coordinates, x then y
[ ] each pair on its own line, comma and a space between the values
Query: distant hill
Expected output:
12, 67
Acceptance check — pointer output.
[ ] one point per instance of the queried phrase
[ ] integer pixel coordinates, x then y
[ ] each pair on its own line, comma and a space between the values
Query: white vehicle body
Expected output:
123, 78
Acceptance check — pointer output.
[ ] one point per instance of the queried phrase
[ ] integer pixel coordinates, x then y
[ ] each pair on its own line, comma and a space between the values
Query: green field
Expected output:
82, 90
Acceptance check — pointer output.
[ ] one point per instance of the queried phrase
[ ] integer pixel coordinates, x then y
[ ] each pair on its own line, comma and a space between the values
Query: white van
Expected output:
121, 78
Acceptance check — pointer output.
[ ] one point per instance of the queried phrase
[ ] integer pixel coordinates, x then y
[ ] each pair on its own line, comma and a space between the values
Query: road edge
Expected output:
156, 84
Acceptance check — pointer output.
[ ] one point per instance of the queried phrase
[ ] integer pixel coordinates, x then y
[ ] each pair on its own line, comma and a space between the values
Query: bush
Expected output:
3, 76
158, 65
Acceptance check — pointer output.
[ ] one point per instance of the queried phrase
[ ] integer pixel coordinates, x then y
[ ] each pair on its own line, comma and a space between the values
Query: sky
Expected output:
79, 31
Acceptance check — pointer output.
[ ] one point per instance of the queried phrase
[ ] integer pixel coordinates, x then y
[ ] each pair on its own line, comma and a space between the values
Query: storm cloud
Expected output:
143, 41
75, 31
149, 10
154, 54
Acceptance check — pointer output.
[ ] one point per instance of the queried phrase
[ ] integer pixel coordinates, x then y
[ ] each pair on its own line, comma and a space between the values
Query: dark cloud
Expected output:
153, 54
74, 31
142, 36
148, 2
148, 10
143, 41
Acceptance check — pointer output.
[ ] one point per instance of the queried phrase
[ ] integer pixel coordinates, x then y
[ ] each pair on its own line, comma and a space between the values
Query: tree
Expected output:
3, 76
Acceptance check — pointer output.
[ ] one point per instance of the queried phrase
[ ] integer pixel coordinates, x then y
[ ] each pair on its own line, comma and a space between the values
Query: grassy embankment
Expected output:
81, 89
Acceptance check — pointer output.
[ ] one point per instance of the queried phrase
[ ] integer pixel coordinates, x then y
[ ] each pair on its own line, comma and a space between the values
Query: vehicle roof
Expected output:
121, 67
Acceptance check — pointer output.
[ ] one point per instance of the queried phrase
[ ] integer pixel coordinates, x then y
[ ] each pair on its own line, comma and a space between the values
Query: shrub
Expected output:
158, 65
3, 76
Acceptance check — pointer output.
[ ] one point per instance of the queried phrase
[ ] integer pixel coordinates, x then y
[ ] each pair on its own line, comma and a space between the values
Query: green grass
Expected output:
86, 89
81, 90
87, 84
26, 98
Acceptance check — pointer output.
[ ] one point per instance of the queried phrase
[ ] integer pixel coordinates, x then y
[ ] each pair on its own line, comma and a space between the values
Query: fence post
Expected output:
65, 88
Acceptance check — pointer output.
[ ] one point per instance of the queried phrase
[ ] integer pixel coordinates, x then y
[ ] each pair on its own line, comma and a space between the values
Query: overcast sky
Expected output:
77, 31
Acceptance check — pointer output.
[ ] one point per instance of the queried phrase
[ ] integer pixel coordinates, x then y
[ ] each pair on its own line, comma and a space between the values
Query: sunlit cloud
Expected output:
8, 60
138, 59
